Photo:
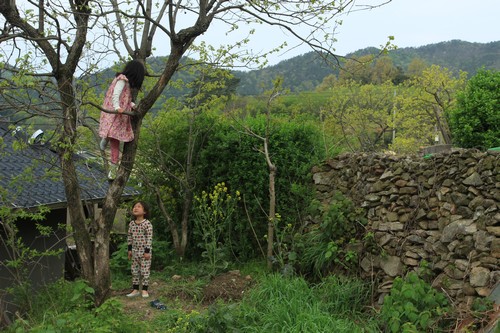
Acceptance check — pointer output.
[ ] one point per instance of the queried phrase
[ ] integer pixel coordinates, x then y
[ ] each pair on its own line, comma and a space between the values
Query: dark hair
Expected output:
134, 71
144, 205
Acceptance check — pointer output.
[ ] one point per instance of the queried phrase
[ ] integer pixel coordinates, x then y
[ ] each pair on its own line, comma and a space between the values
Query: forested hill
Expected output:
305, 72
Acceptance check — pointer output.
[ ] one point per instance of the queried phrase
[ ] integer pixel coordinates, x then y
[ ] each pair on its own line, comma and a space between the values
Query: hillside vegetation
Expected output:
304, 72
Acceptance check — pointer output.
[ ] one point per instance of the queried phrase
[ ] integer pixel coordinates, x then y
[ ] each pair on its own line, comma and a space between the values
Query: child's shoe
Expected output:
145, 294
103, 143
134, 293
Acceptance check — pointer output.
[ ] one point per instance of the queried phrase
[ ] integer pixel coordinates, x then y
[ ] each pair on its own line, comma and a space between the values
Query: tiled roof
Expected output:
31, 176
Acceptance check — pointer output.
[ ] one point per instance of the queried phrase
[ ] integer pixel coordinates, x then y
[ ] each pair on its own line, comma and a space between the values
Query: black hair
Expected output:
144, 206
134, 71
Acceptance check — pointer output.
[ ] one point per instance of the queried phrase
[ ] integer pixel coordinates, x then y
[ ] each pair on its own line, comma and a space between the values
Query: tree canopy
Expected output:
475, 121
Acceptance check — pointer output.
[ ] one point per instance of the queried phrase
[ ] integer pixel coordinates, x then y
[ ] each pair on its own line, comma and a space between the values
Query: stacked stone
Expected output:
443, 209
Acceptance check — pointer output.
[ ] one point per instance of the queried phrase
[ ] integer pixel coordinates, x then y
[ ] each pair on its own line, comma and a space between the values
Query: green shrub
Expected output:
119, 263
68, 307
236, 159
162, 256
414, 306
326, 246
475, 123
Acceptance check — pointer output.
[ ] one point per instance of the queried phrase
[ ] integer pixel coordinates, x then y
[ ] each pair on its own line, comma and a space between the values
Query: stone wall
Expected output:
443, 209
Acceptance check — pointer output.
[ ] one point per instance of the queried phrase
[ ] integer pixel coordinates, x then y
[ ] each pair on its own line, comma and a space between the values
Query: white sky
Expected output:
413, 23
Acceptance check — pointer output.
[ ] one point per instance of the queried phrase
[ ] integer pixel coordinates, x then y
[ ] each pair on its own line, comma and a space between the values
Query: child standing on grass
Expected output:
139, 240
116, 127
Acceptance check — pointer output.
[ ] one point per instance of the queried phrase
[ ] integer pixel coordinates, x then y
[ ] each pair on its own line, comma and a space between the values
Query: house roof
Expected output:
30, 173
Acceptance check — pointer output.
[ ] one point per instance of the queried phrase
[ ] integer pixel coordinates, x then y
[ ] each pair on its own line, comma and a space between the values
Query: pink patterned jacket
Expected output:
117, 126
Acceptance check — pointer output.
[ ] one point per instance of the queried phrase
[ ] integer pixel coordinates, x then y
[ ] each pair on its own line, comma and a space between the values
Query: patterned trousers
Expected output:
140, 268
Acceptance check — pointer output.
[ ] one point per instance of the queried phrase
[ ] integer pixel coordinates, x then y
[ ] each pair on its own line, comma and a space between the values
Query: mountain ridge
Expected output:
306, 71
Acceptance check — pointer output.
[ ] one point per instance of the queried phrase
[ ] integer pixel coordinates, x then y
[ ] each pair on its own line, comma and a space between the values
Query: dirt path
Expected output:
230, 286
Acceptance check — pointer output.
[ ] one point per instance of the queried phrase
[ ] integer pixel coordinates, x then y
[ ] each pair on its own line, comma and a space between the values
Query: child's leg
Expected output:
115, 150
103, 143
145, 272
136, 272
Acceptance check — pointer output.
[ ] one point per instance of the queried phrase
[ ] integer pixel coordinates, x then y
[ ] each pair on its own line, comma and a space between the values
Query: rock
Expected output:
454, 272
370, 262
385, 239
390, 226
483, 291
460, 227
459, 199
392, 217
387, 174
495, 248
391, 265
482, 240
479, 277
474, 180
494, 231
469, 290
408, 190
411, 262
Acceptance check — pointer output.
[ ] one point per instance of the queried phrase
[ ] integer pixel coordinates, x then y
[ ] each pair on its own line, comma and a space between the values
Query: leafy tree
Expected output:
171, 146
357, 69
475, 122
362, 113
383, 70
370, 69
416, 67
266, 149
422, 106
51, 43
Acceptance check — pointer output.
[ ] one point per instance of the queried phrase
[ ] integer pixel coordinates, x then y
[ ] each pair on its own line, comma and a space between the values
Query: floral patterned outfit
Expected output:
117, 127
139, 240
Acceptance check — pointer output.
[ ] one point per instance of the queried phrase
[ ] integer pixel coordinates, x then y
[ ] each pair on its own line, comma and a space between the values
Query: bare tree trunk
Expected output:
442, 124
188, 199
272, 206
171, 225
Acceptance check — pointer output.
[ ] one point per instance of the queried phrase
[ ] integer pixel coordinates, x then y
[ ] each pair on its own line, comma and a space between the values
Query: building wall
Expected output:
40, 271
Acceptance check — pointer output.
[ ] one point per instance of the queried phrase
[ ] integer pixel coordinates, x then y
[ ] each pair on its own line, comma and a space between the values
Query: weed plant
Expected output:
345, 296
120, 265
280, 304
212, 212
68, 307
413, 305
325, 247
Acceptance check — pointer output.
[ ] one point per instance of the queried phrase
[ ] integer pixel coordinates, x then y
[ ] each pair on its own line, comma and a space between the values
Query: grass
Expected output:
280, 304
274, 304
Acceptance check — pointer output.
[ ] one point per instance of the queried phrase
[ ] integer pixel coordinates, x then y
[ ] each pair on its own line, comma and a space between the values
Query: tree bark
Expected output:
272, 205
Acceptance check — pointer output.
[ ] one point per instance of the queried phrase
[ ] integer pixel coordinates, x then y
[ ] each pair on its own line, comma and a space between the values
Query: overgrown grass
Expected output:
280, 304
275, 304
68, 307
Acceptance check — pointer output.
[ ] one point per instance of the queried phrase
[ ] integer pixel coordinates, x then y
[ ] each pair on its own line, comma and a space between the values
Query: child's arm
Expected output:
148, 237
129, 242
116, 95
